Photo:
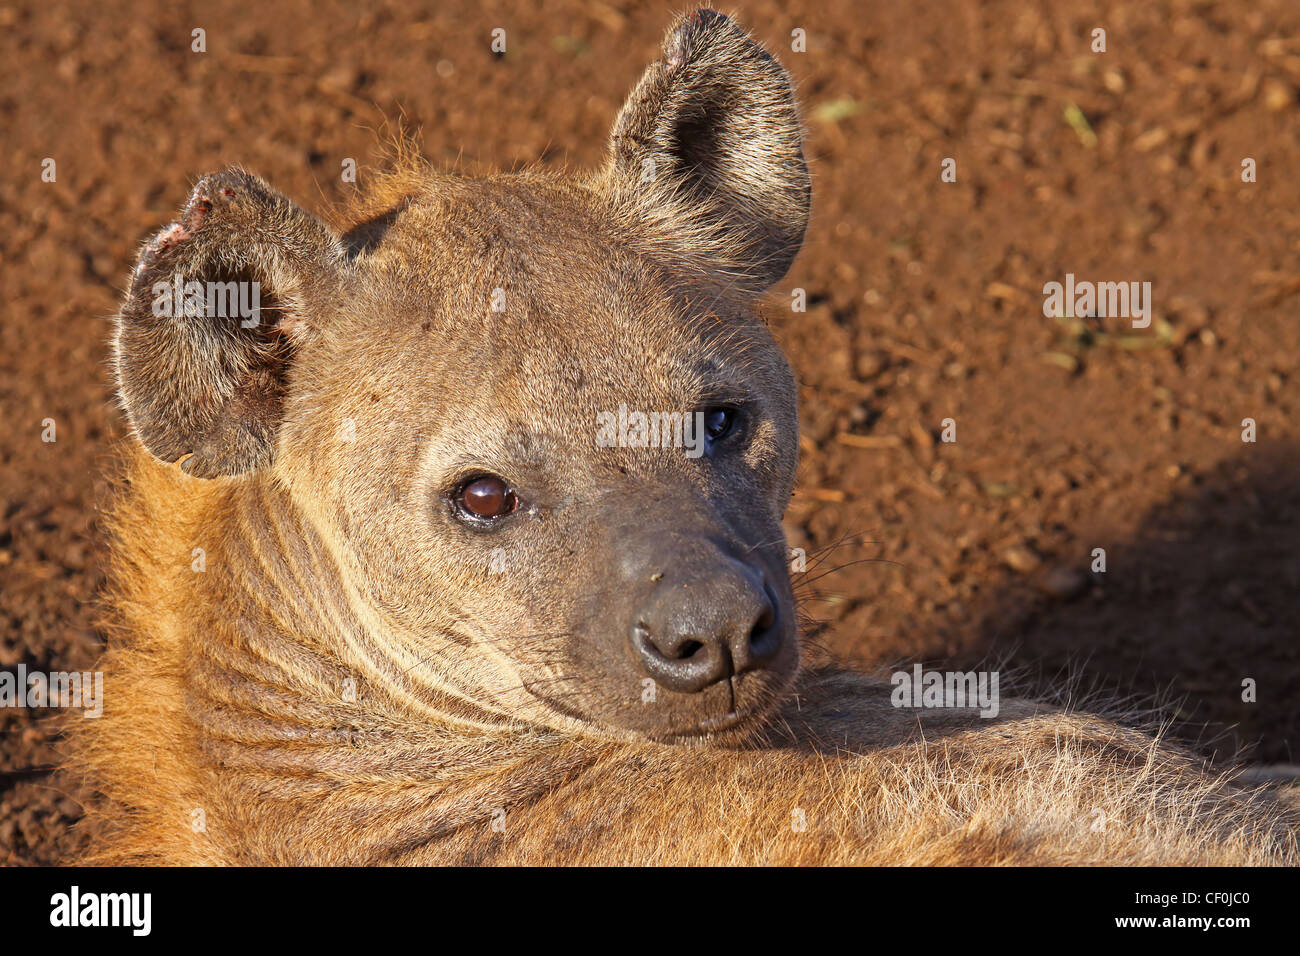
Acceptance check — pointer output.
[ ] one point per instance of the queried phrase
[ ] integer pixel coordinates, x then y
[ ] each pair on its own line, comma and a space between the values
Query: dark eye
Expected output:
718, 422
487, 497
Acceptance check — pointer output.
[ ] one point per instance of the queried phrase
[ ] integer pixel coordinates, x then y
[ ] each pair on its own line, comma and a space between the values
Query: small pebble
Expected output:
1021, 558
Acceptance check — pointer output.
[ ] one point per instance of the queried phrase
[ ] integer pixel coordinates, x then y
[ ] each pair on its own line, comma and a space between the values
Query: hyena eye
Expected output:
718, 422
486, 498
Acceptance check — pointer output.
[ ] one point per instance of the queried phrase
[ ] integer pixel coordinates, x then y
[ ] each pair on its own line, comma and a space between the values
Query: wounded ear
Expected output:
709, 144
218, 302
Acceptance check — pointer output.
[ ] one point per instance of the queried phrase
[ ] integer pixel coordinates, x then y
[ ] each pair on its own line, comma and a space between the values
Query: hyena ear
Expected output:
709, 144
219, 302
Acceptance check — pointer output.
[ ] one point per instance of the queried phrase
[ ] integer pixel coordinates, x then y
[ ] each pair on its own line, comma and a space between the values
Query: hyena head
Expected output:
537, 420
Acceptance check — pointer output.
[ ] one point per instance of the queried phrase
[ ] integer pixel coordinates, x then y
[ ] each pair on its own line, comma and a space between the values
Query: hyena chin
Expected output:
381, 594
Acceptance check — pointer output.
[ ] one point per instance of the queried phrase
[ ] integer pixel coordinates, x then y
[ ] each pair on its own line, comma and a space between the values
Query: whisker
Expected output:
848, 564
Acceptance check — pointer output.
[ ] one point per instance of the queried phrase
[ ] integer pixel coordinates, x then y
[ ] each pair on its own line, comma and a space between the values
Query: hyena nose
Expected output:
693, 633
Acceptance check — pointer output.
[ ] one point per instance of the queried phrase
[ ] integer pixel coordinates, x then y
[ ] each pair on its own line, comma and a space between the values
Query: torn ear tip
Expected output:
223, 185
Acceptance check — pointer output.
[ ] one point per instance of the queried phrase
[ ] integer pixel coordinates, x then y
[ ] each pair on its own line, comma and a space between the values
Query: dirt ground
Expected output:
925, 303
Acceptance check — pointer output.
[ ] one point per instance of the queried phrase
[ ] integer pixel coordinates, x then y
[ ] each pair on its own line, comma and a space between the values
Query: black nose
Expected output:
694, 632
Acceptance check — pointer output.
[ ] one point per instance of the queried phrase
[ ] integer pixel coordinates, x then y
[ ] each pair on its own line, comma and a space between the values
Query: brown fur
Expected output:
492, 720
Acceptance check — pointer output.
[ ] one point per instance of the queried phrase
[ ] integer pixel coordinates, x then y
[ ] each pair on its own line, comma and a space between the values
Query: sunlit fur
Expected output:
270, 708
224, 701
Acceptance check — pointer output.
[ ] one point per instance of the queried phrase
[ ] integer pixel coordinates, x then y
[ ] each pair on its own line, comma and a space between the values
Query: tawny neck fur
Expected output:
229, 737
